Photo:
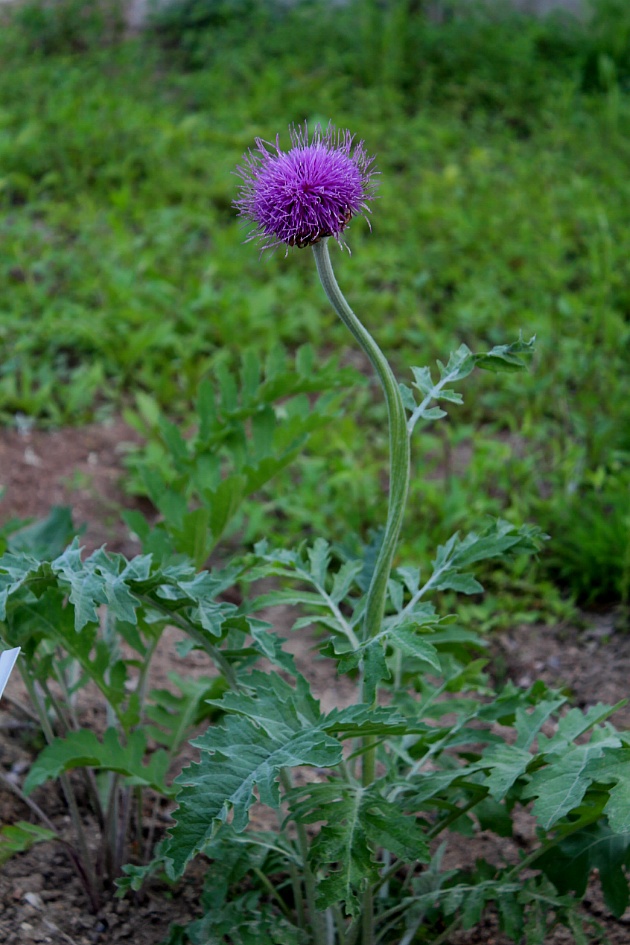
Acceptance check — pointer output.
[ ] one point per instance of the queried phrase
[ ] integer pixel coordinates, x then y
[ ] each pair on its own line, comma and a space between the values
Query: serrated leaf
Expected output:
422, 378
273, 703
375, 669
409, 401
507, 357
529, 720
410, 576
356, 822
319, 557
269, 645
396, 594
460, 364
561, 786
117, 575
15, 571
390, 829
500, 538
433, 413
86, 589
344, 579
506, 764
574, 724
276, 729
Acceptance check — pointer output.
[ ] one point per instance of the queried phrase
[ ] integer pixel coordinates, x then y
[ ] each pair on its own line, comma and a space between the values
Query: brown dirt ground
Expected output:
40, 898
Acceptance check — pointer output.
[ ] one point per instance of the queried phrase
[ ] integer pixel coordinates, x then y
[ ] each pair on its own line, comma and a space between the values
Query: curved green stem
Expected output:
398, 440
398, 489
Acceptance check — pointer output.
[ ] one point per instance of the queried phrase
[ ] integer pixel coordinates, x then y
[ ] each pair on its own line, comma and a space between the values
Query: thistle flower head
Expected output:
311, 191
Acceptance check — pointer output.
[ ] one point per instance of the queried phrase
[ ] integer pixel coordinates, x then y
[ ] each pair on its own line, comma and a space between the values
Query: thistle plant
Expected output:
422, 753
357, 856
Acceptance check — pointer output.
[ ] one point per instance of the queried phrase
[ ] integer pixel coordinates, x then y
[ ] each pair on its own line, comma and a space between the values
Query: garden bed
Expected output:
40, 898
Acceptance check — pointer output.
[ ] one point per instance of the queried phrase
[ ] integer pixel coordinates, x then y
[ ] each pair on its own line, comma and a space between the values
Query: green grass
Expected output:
503, 146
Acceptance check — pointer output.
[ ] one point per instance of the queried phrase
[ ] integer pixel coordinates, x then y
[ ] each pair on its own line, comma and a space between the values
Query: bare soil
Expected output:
41, 899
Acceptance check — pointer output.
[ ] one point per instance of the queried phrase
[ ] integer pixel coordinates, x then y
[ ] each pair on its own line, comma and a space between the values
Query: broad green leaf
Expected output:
319, 557
273, 703
21, 836
359, 720
344, 579
500, 539
83, 749
570, 862
529, 720
462, 583
375, 669
117, 576
46, 538
388, 828
426, 785
398, 634
313, 568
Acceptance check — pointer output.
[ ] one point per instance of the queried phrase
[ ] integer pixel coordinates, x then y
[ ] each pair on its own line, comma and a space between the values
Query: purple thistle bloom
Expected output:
312, 191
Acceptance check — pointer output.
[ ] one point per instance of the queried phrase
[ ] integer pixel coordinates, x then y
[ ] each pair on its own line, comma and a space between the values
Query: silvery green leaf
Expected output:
422, 378
507, 357
462, 583
560, 787
406, 393
269, 645
356, 822
413, 644
344, 579
236, 757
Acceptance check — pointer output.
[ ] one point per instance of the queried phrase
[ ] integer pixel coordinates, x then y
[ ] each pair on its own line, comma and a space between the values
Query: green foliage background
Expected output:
504, 198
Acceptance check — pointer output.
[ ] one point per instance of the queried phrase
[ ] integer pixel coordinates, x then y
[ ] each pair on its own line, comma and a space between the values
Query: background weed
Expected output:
503, 206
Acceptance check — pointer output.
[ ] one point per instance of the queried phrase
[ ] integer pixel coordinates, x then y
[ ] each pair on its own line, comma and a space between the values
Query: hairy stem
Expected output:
398, 440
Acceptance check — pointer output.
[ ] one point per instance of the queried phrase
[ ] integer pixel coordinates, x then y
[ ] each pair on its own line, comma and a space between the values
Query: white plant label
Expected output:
7, 662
